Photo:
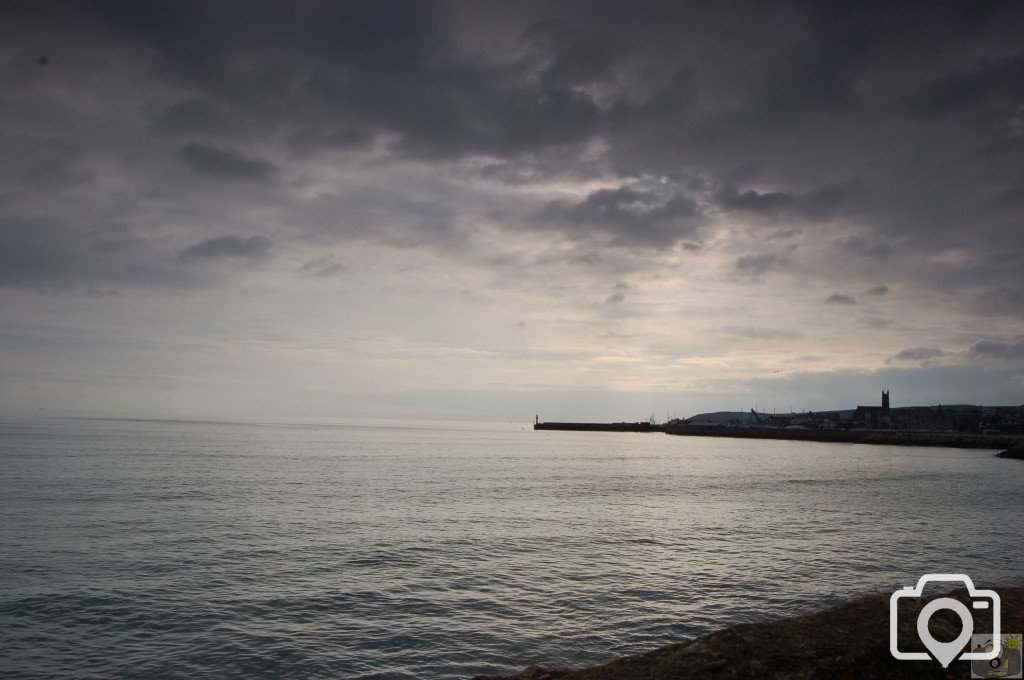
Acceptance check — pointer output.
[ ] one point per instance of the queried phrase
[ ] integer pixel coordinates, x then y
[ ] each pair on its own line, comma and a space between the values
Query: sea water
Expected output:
185, 549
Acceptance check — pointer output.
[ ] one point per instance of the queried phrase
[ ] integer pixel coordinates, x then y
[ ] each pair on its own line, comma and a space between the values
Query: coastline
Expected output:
848, 640
959, 440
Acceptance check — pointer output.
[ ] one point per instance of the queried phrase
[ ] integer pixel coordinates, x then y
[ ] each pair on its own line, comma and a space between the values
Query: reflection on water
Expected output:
172, 549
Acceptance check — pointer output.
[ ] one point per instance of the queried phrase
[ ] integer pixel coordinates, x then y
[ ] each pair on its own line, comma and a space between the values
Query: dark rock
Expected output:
848, 641
1016, 452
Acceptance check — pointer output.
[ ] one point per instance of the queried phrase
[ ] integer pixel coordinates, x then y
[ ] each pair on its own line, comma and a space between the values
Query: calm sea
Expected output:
180, 549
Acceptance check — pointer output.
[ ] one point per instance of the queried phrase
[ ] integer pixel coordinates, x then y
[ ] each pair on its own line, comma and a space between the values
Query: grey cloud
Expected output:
752, 201
675, 101
866, 246
878, 291
840, 299
52, 256
781, 234
804, 99
994, 349
194, 116
919, 354
992, 81
755, 265
821, 203
404, 81
330, 270
615, 298
631, 216
464, 116
312, 139
228, 247
382, 214
1011, 198
1002, 301
566, 58
878, 131
44, 163
224, 163
325, 265
36, 252
758, 333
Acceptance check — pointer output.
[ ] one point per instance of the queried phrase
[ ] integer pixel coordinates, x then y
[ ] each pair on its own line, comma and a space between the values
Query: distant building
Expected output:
948, 418
874, 417
1003, 419
918, 418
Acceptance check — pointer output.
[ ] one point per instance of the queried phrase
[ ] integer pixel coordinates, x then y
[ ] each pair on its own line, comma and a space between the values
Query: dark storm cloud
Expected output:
44, 163
447, 114
228, 247
633, 217
224, 163
754, 202
821, 203
905, 115
195, 116
993, 81
312, 139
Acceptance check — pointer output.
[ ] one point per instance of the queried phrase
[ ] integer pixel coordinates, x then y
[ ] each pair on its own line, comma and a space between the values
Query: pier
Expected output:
639, 426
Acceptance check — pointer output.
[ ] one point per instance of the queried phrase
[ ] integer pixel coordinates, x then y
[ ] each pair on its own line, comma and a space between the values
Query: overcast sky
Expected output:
474, 210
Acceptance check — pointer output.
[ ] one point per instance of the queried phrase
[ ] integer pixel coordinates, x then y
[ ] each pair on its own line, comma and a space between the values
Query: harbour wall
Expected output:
961, 440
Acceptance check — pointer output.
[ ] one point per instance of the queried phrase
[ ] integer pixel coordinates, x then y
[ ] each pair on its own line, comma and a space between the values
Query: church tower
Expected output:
885, 402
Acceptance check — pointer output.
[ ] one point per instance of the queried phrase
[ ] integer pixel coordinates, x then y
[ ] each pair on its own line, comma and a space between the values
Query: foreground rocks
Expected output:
1016, 452
848, 641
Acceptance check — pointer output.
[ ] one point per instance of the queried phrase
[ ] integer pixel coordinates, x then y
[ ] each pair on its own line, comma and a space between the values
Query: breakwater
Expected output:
601, 427
961, 440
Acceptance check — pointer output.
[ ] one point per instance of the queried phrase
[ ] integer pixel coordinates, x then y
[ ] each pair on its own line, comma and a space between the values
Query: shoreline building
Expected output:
875, 417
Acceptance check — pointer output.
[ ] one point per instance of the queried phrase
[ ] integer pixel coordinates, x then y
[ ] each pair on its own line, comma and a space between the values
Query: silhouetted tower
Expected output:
885, 402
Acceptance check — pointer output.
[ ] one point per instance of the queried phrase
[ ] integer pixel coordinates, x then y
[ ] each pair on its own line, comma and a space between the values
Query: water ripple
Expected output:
182, 550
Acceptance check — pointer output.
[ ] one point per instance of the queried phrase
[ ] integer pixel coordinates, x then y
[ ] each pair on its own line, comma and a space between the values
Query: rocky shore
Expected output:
1016, 452
847, 641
